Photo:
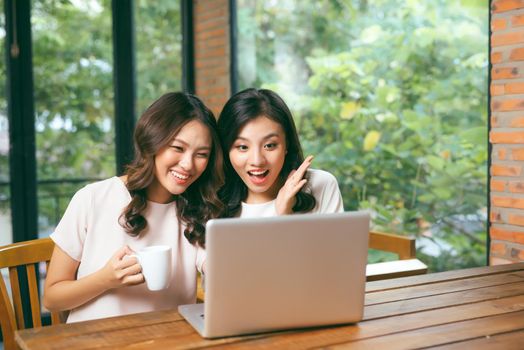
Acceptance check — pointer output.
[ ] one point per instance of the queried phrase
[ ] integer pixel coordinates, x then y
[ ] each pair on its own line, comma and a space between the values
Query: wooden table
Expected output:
463, 309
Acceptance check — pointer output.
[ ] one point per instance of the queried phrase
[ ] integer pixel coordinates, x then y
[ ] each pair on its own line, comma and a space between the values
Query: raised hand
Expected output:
286, 196
121, 270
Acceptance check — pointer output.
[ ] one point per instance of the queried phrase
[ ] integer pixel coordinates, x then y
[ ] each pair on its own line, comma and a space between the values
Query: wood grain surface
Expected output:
480, 308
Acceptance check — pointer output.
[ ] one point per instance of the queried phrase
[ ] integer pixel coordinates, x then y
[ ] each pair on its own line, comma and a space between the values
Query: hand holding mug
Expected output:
286, 196
120, 271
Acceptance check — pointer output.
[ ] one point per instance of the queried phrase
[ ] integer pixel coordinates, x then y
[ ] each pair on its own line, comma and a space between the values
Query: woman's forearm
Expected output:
66, 295
64, 292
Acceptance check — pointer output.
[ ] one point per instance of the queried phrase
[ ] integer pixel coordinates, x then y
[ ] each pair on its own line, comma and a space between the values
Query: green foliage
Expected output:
73, 89
73, 78
158, 50
394, 103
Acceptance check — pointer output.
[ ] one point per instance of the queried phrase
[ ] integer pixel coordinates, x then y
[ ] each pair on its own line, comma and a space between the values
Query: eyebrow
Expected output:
208, 148
268, 136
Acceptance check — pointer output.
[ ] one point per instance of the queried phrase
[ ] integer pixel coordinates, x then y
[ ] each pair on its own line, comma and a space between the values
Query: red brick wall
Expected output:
212, 52
507, 132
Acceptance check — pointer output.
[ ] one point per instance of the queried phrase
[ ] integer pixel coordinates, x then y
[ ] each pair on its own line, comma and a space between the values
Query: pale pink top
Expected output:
89, 232
324, 187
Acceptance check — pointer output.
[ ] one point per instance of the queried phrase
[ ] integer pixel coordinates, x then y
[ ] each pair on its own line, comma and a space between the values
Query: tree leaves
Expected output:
405, 100
371, 140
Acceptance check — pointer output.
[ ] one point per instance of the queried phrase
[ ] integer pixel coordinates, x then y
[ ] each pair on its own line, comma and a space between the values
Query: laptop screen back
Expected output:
285, 272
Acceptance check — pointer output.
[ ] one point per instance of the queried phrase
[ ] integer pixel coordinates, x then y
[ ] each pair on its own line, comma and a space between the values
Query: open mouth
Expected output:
259, 174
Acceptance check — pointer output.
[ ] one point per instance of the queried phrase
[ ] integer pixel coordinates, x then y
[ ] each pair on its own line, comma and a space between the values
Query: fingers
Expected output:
132, 270
129, 273
298, 186
132, 275
301, 171
121, 269
120, 253
296, 177
133, 279
123, 258
304, 166
126, 262
309, 158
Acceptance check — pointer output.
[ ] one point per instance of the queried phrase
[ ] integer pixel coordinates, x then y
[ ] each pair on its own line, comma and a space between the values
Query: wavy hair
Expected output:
155, 129
242, 108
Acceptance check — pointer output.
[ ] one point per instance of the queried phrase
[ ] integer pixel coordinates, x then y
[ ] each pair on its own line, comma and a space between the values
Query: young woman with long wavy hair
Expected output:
166, 196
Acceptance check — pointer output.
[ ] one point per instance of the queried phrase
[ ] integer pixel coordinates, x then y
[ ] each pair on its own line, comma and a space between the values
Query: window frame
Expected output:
21, 106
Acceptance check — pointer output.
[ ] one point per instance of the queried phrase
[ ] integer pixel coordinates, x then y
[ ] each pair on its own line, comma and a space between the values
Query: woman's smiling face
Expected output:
181, 162
258, 155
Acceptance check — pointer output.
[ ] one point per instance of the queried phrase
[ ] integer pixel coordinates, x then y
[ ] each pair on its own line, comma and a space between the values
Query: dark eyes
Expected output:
267, 146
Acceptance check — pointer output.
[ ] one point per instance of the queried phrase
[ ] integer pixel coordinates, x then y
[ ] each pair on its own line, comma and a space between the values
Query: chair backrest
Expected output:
23, 254
403, 246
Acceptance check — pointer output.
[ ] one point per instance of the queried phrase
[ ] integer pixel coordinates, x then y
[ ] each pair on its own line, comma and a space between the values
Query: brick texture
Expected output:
496, 57
513, 88
507, 132
517, 154
499, 6
516, 186
212, 52
516, 21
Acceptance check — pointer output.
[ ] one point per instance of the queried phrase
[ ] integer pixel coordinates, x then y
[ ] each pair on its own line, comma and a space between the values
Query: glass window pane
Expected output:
158, 50
73, 75
392, 102
6, 231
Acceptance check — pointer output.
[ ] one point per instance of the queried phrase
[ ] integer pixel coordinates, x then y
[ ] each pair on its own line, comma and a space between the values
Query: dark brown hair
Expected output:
242, 108
155, 129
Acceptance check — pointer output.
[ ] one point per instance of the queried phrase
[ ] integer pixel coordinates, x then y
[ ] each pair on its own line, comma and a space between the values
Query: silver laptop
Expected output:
293, 271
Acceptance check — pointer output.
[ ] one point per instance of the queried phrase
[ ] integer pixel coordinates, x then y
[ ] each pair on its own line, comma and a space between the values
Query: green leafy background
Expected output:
391, 97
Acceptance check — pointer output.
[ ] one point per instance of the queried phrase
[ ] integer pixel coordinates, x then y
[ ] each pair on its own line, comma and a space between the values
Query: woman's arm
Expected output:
63, 291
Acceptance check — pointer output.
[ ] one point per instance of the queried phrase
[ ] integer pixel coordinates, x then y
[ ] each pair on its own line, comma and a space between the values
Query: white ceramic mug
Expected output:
156, 262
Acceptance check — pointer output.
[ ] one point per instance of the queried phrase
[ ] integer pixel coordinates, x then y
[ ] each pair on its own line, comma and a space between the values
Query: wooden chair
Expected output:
27, 254
404, 247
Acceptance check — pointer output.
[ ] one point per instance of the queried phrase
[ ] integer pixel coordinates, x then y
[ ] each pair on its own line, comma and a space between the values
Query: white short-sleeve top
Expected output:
89, 232
324, 187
